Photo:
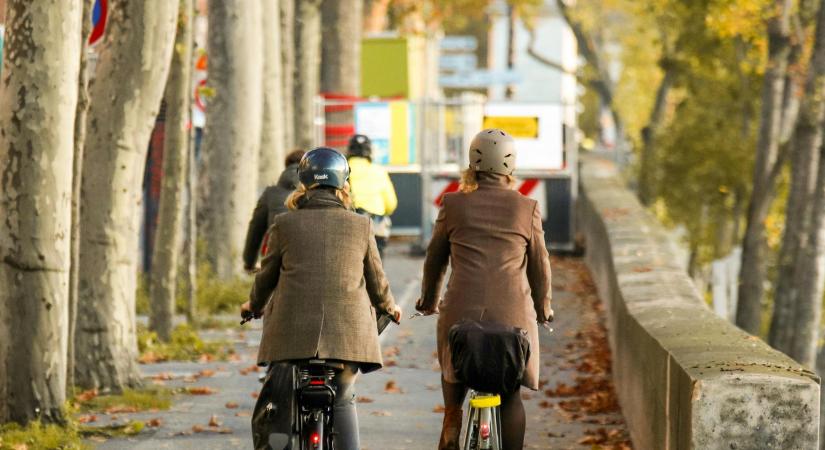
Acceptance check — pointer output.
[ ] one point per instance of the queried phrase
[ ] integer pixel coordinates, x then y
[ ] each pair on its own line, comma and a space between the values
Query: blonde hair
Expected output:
294, 200
469, 181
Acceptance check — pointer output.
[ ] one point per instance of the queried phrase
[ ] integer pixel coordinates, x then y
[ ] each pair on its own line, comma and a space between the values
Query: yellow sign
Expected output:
522, 127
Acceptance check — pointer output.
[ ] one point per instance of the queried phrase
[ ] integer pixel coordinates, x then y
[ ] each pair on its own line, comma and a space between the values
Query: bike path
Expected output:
398, 407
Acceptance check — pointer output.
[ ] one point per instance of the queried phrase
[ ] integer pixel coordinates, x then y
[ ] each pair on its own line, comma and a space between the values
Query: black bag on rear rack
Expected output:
487, 356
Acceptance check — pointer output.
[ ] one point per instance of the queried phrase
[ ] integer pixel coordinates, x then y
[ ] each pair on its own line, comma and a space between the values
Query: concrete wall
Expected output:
686, 379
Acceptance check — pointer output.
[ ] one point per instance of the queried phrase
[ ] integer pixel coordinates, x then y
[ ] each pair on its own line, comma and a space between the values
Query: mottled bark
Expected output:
169, 234
125, 97
233, 128
307, 69
287, 8
752, 278
77, 174
272, 127
37, 110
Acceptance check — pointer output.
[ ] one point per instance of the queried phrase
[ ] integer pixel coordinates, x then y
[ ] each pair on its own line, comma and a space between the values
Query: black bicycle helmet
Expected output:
360, 145
323, 166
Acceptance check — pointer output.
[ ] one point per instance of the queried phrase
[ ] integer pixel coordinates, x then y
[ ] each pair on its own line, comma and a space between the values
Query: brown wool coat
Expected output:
321, 275
500, 266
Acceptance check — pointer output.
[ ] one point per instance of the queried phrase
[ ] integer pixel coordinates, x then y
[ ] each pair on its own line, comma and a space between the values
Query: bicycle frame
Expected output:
483, 430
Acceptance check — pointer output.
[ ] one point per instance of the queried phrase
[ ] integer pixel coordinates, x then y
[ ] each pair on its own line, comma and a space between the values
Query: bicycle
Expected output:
313, 426
483, 431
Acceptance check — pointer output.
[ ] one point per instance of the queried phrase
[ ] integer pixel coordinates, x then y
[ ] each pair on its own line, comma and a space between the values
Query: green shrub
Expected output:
131, 400
36, 436
213, 296
185, 345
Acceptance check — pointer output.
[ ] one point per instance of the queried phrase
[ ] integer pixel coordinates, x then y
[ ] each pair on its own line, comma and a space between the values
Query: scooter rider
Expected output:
372, 190
324, 262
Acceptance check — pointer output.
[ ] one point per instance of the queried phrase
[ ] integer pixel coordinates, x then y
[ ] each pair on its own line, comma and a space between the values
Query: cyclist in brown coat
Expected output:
493, 237
318, 283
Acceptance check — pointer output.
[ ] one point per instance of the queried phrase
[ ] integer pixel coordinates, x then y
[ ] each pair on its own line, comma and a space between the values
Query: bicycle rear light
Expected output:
315, 439
485, 431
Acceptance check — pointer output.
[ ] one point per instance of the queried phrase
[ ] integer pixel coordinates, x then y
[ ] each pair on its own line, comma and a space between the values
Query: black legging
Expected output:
512, 412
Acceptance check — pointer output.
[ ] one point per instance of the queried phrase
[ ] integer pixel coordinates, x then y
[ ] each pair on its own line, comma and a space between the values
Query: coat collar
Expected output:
320, 198
487, 180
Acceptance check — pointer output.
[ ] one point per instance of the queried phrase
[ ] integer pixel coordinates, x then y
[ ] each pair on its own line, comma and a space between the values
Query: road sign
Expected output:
458, 43
457, 62
479, 78
526, 127
99, 14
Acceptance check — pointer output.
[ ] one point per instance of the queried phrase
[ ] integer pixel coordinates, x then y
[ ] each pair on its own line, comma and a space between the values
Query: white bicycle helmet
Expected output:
493, 150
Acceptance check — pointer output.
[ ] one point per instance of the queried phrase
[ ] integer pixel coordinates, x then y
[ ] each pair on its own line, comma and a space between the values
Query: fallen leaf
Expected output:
88, 418
154, 423
381, 413
231, 405
200, 390
150, 357
121, 409
248, 370
163, 376
214, 421
364, 400
255, 395
205, 373
243, 414
225, 430
392, 388
390, 363
392, 351
439, 409
197, 428
85, 396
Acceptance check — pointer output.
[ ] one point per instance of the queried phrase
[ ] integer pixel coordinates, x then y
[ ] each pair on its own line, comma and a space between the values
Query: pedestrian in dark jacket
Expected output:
270, 204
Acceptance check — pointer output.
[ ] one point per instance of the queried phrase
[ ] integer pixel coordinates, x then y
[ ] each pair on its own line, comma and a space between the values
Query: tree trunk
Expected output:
341, 55
510, 90
811, 278
307, 67
192, 230
125, 98
77, 176
648, 157
341, 52
37, 111
169, 234
375, 20
820, 370
752, 279
287, 8
272, 127
233, 128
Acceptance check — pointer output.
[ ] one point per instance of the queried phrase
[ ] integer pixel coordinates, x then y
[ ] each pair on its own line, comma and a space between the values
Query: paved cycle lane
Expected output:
399, 407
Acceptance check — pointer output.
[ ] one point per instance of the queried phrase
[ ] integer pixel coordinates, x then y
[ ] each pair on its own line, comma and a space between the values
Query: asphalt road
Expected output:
404, 416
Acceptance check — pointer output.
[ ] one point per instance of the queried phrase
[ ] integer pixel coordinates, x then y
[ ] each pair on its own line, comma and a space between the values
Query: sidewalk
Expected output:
398, 406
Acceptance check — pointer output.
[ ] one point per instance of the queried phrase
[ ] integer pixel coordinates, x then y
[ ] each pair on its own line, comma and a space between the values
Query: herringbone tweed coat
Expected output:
494, 241
321, 275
